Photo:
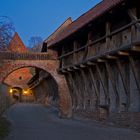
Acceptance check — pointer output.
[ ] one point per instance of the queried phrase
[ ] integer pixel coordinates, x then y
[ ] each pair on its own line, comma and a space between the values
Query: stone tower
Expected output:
20, 77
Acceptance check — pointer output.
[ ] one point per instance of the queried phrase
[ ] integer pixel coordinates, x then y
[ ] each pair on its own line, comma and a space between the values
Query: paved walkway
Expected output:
35, 122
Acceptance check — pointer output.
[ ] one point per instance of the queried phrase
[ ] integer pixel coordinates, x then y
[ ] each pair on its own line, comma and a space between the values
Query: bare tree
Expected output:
35, 44
6, 31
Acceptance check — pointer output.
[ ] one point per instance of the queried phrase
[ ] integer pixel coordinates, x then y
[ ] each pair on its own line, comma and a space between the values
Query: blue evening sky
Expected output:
42, 17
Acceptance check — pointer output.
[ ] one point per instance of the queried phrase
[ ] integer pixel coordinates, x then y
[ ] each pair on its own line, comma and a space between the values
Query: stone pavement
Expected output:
36, 122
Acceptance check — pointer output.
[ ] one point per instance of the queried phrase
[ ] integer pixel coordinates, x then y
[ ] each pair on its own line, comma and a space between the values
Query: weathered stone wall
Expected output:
46, 92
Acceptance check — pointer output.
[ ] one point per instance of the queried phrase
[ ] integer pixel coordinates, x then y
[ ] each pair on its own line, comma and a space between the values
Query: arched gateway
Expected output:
13, 61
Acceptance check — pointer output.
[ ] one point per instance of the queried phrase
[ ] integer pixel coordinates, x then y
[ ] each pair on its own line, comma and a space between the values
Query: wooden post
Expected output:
107, 33
102, 83
135, 72
81, 88
109, 71
120, 69
74, 54
89, 42
86, 96
94, 85
133, 15
71, 87
76, 91
125, 86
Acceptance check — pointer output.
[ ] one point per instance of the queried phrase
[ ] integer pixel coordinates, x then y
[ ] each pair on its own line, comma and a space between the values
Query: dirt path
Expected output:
35, 122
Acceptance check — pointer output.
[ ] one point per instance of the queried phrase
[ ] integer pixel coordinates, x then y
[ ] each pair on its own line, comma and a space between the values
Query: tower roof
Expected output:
16, 44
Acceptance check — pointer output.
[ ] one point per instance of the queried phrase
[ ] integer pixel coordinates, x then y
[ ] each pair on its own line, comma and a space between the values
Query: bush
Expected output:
4, 127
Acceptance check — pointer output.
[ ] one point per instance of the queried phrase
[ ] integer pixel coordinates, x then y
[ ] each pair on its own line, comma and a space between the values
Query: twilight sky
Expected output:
42, 17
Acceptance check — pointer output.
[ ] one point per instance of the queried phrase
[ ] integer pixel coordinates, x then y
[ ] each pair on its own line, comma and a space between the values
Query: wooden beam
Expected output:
84, 81
80, 88
123, 53
102, 82
70, 85
120, 68
76, 68
90, 63
133, 15
74, 54
135, 72
64, 71
136, 48
111, 57
126, 89
69, 69
74, 90
82, 65
101, 60
94, 84
109, 71
108, 27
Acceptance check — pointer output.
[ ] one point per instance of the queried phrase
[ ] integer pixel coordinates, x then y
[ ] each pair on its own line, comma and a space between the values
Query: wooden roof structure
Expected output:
97, 11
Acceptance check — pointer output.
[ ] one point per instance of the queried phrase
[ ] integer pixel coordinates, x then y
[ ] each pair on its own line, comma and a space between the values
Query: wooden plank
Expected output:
123, 53
136, 48
70, 85
74, 53
108, 26
75, 92
133, 15
111, 57
126, 89
81, 88
94, 83
102, 82
109, 71
135, 72
120, 69
86, 93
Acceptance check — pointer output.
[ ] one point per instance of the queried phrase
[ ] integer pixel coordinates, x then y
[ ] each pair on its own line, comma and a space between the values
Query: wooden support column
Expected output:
94, 85
75, 91
134, 85
91, 100
120, 69
135, 72
62, 59
85, 85
103, 85
110, 74
78, 98
74, 54
81, 88
71, 87
133, 15
89, 42
107, 34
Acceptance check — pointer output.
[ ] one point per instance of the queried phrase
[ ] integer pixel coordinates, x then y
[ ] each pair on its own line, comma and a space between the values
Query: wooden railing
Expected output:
24, 56
118, 39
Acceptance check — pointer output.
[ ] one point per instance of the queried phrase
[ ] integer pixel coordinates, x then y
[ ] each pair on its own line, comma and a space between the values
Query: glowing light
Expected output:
11, 90
26, 92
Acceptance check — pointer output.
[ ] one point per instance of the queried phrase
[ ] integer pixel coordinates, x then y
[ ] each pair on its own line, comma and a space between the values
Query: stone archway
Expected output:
50, 66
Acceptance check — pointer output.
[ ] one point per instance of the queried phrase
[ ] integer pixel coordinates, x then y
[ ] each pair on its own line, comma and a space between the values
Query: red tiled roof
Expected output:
92, 14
